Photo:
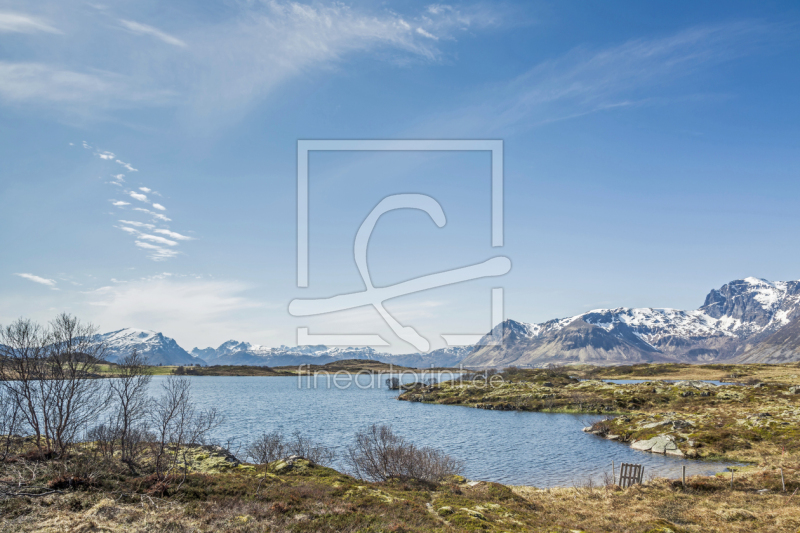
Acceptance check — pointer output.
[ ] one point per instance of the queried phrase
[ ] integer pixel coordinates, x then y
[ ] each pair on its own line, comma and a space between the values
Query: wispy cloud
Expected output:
157, 253
86, 92
38, 279
120, 203
157, 216
157, 239
173, 234
138, 224
145, 189
591, 80
233, 61
20, 23
144, 29
127, 166
159, 207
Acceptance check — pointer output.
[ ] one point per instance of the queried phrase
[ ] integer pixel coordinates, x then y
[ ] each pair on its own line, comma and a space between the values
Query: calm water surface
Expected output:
509, 447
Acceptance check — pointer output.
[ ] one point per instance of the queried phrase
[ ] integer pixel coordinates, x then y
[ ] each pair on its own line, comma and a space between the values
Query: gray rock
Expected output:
795, 389
660, 444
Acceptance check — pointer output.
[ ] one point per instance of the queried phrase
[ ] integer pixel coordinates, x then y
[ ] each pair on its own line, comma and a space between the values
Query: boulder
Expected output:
795, 389
660, 444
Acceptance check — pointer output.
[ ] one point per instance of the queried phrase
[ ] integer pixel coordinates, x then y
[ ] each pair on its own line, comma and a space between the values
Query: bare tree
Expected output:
131, 402
176, 422
76, 396
9, 422
22, 361
379, 455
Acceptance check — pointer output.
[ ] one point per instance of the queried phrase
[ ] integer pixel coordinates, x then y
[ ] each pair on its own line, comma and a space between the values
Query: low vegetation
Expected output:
755, 422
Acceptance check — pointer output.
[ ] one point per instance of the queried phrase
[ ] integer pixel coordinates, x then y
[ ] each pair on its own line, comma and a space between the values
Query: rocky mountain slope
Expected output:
158, 349
738, 322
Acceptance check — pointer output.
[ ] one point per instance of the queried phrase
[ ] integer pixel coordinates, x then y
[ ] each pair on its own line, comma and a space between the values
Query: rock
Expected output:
660, 444
794, 390
587, 429
547, 384
694, 384
612, 437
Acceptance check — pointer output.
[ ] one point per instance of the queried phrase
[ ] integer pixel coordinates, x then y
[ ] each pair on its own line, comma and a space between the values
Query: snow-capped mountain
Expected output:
749, 320
158, 349
731, 323
243, 353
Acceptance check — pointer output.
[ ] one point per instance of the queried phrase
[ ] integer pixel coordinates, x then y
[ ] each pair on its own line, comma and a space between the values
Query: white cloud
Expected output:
145, 189
144, 29
127, 166
138, 224
120, 203
129, 230
19, 23
173, 234
138, 196
157, 253
193, 311
105, 155
159, 207
157, 216
119, 177
156, 238
38, 279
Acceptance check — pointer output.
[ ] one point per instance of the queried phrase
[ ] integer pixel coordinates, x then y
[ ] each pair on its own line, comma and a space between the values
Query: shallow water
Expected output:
509, 447
629, 381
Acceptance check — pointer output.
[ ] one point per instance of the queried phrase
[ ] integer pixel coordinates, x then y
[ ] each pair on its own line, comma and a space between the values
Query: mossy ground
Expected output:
310, 498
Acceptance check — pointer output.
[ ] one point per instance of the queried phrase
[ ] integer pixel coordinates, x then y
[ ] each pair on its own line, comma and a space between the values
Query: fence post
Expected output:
683, 477
613, 474
783, 483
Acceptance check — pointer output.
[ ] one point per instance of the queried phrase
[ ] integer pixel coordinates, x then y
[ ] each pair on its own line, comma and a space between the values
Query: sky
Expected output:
148, 163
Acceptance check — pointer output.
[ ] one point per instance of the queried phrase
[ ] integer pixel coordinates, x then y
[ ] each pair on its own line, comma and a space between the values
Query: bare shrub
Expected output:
379, 455
267, 448
308, 449
104, 437
175, 423
131, 403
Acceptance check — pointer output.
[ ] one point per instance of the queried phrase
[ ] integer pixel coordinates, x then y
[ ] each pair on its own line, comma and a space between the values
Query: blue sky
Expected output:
651, 154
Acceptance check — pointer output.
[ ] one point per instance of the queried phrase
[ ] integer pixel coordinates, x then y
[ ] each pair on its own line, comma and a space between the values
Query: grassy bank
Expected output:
218, 494
757, 422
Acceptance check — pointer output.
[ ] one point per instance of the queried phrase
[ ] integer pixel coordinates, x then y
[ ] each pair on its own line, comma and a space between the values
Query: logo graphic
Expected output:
376, 296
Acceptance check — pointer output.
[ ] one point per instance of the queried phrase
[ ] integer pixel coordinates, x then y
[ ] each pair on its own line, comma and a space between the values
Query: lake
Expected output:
516, 448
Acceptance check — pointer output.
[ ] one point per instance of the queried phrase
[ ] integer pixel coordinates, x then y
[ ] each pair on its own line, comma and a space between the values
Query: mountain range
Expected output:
745, 321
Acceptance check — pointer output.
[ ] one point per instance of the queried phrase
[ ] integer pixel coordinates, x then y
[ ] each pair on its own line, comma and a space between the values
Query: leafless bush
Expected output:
308, 449
393, 383
175, 423
267, 448
379, 455
104, 437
